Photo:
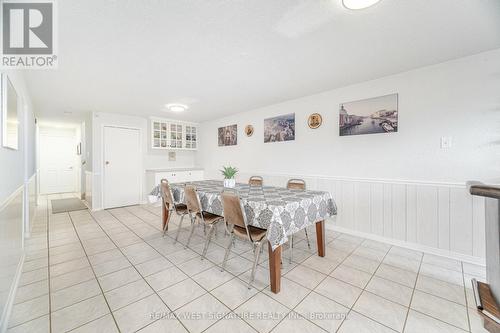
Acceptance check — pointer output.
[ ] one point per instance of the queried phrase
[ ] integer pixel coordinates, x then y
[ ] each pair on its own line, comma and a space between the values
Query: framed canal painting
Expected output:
280, 128
369, 116
228, 135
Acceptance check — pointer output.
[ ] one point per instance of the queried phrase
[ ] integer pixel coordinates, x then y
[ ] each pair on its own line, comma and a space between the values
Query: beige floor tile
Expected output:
324, 265
351, 275
370, 253
104, 324
31, 291
34, 276
73, 294
195, 266
238, 265
449, 312
212, 278
294, 323
70, 279
391, 290
402, 262
38, 325
418, 322
118, 278
262, 312
127, 294
230, 323
305, 276
167, 325
181, 293
166, 278
441, 273
233, 293
68, 266
450, 291
291, 293
153, 266
105, 256
381, 310
111, 266
339, 291
140, 314
442, 262
29, 310
398, 275
201, 313
78, 314
357, 323
363, 264
322, 311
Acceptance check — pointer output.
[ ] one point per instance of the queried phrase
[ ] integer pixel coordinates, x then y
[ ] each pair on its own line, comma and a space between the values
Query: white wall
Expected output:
17, 168
152, 159
397, 186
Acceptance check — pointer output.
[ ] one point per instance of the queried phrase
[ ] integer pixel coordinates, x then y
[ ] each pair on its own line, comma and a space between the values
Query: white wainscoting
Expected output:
441, 218
11, 251
88, 189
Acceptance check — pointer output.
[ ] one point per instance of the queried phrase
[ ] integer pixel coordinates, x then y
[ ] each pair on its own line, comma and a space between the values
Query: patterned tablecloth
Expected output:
281, 211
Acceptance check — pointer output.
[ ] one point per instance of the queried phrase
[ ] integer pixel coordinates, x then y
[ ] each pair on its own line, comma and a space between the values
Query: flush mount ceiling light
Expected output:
176, 107
358, 4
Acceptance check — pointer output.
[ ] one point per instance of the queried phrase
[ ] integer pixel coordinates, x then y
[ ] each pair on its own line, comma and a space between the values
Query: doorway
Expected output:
122, 167
58, 160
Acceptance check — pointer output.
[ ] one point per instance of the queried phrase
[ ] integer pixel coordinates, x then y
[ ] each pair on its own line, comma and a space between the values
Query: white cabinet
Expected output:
173, 135
154, 177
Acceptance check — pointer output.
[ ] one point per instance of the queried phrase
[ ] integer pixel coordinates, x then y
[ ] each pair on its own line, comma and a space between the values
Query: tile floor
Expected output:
112, 271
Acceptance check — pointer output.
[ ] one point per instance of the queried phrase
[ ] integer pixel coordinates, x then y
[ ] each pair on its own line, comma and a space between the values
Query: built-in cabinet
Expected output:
154, 176
173, 135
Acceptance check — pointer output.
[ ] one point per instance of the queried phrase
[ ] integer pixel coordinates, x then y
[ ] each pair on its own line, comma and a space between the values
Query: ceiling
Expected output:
226, 56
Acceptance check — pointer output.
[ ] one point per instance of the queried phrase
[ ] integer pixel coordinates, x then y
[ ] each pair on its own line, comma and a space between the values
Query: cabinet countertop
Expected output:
174, 169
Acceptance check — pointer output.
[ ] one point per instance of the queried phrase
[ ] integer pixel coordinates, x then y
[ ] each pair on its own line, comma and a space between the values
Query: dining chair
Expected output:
237, 225
171, 206
297, 184
195, 212
255, 181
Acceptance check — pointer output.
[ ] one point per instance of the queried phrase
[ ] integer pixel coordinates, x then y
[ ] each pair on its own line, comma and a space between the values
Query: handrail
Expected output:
483, 190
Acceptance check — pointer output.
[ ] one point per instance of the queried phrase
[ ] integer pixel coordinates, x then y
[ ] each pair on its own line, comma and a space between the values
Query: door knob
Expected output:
107, 162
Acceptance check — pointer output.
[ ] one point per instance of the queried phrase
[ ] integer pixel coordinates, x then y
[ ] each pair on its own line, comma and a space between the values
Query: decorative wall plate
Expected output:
315, 120
249, 130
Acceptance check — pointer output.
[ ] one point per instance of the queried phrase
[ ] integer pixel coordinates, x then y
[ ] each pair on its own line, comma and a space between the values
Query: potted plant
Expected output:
229, 172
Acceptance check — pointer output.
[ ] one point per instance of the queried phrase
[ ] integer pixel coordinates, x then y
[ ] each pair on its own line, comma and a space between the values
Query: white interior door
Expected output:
122, 167
58, 158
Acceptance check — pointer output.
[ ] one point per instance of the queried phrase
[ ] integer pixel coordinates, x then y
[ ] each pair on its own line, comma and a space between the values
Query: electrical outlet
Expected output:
446, 142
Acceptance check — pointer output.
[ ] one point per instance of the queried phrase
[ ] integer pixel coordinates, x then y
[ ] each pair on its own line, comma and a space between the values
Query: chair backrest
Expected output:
234, 212
255, 181
166, 194
296, 184
192, 200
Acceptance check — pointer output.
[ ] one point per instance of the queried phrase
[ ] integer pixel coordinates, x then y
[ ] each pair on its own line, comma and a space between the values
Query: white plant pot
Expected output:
230, 182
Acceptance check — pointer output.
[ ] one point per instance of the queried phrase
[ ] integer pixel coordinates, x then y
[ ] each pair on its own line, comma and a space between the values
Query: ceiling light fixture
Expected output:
358, 4
177, 107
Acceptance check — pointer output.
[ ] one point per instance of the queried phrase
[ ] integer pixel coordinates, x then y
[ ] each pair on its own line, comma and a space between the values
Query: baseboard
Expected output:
4, 322
408, 245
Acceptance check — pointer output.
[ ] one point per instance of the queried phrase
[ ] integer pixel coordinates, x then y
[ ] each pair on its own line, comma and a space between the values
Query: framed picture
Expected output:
228, 135
369, 116
10, 121
315, 120
281, 128
249, 130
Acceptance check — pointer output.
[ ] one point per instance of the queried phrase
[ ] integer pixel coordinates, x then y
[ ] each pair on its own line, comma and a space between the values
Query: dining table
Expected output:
281, 211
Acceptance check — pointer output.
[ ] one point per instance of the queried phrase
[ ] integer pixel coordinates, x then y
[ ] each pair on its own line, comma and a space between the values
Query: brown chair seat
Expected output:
256, 233
181, 208
210, 218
